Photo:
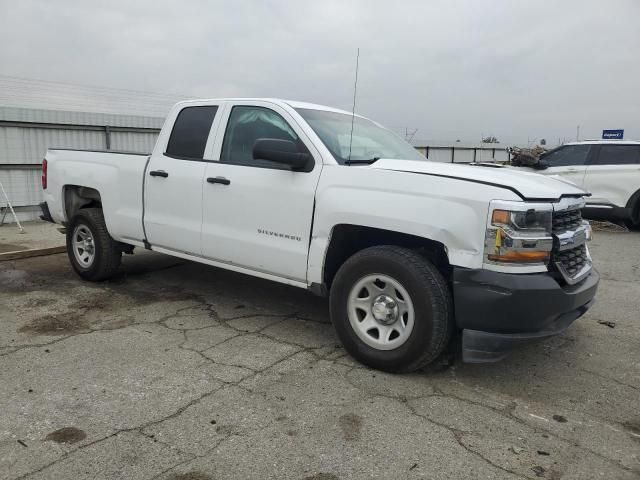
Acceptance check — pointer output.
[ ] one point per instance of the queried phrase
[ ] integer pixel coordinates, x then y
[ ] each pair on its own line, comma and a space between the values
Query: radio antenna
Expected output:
353, 110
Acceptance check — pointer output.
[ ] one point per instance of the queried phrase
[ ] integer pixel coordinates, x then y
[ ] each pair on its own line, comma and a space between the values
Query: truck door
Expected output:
258, 214
174, 181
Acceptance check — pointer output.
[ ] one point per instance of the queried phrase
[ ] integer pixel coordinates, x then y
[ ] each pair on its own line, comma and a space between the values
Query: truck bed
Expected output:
117, 175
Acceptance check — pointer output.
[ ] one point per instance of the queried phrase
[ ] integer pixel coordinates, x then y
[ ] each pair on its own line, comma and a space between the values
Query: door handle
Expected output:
221, 180
158, 173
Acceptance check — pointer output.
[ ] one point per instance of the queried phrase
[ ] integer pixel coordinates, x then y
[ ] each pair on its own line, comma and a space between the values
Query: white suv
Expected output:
609, 169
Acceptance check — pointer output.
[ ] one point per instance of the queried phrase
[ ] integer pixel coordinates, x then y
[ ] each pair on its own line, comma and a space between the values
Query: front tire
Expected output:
93, 254
391, 309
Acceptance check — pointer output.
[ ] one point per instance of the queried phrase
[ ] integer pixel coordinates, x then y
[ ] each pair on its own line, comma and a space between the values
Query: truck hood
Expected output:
528, 186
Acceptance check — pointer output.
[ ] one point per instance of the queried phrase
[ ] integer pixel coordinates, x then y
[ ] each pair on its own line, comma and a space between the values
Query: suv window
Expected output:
247, 124
569, 155
618, 155
190, 132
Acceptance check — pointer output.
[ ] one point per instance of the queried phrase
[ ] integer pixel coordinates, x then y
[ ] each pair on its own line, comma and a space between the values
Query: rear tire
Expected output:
634, 222
93, 254
391, 309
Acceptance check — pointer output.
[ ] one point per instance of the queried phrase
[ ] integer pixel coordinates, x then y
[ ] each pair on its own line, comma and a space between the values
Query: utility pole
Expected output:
578, 133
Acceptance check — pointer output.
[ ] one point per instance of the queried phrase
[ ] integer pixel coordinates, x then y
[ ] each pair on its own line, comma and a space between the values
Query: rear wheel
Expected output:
634, 222
93, 254
391, 309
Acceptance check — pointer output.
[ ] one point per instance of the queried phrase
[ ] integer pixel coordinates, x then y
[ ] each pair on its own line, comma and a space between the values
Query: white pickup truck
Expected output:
410, 252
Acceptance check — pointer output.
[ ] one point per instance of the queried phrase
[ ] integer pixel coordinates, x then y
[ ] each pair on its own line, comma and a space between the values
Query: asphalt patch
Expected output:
53, 325
13, 280
141, 293
351, 425
634, 428
322, 476
39, 302
66, 435
190, 476
539, 471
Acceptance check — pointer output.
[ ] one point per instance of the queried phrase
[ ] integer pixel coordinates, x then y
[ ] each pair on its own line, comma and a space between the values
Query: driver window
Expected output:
247, 124
567, 156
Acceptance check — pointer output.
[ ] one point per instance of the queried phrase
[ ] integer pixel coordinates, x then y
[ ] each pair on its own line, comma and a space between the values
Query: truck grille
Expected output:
566, 220
572, 261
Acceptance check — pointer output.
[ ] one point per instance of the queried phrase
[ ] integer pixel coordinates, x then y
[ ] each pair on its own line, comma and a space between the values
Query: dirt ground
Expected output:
177, 370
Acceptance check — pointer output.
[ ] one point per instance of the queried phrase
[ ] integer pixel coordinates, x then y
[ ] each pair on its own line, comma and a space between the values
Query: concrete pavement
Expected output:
177, 370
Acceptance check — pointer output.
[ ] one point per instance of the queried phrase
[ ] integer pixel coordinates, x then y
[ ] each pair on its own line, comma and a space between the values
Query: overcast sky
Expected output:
451, 69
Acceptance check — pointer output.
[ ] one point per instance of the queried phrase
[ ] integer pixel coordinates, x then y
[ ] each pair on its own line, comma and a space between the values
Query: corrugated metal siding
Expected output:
133, 141
26, 134
440, 154
444, 154
28, 145
22, 186
34, 115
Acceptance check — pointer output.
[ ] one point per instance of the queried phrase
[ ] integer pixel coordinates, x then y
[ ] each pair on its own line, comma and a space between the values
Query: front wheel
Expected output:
391, 309
93, 254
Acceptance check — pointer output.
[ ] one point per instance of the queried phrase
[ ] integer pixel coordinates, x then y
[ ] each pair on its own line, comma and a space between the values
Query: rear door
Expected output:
258, 214
174, 181
613, 174
569, 162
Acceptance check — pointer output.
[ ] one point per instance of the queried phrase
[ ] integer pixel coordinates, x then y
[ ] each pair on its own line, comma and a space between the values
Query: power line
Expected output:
33, 93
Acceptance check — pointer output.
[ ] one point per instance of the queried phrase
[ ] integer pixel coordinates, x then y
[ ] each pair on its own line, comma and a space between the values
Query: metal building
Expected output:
25, 135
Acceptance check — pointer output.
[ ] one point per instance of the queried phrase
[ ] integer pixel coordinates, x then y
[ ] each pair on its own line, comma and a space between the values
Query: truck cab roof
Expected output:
278, 101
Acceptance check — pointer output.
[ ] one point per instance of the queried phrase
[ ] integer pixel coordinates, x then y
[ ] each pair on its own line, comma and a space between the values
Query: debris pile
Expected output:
601, 226
526, 157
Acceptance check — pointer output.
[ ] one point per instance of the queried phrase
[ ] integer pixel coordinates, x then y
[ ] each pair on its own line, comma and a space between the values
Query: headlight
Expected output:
518, 233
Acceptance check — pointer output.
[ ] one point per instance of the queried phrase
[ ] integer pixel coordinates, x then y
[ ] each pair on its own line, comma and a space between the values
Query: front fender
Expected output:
444, 210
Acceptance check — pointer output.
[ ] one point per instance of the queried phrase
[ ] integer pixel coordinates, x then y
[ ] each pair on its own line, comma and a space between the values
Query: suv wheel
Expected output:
391, 309
92, 252
634, 222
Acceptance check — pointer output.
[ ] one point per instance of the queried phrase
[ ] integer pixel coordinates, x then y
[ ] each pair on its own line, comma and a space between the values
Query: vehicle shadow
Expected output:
151, 273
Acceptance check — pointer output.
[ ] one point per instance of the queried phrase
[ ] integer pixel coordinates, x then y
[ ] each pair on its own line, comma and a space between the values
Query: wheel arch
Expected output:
348, 239
634, 205
77, 197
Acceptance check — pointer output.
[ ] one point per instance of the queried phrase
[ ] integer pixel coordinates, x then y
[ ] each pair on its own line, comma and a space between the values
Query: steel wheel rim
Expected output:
83, 245
373, 314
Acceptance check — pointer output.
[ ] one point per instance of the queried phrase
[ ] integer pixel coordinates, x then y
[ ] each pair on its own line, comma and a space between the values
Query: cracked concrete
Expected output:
180, 371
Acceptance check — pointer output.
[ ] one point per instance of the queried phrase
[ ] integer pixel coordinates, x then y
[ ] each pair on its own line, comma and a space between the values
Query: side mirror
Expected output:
541, 165
282, 151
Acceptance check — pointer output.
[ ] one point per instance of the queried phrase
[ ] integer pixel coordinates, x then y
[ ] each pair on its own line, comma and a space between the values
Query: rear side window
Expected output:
569, 155
618, 155
190, 132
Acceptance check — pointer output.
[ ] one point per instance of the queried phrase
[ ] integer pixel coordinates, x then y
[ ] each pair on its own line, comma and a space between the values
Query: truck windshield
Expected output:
370, 141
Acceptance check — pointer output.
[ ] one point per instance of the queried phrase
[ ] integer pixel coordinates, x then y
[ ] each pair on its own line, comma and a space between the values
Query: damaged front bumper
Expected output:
499, 311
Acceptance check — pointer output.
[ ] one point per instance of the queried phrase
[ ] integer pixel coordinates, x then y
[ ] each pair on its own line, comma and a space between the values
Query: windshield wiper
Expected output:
362, 162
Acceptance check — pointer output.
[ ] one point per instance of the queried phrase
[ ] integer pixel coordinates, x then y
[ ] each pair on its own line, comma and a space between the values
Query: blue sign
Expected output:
612, 134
